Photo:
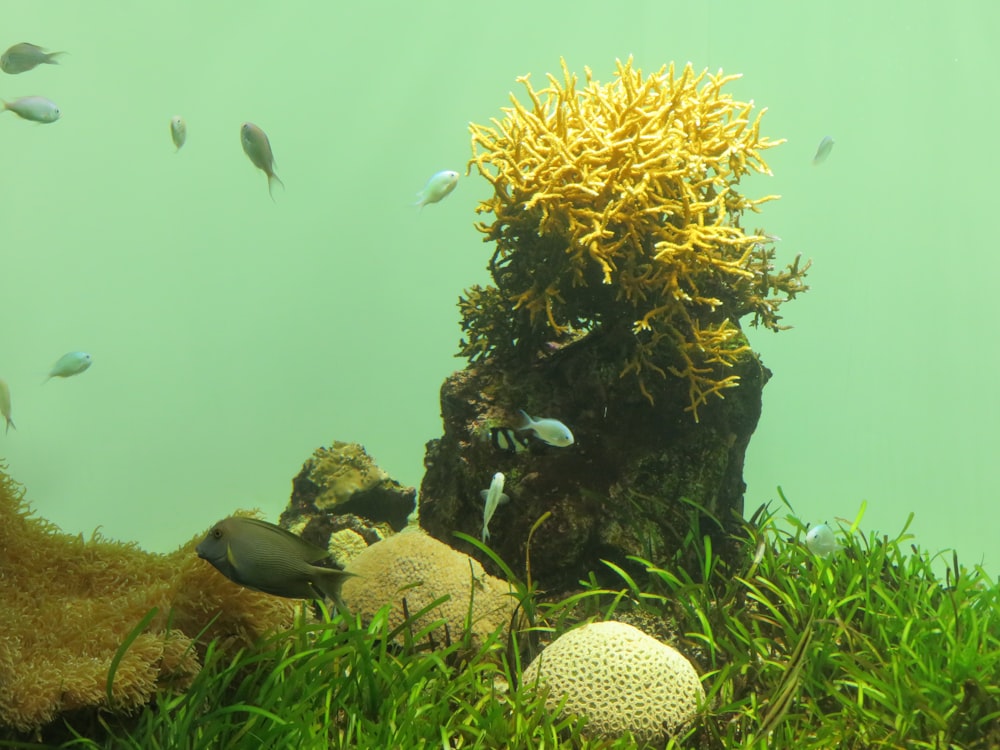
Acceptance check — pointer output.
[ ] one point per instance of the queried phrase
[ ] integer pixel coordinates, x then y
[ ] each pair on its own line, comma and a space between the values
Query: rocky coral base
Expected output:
342, 501
625, 487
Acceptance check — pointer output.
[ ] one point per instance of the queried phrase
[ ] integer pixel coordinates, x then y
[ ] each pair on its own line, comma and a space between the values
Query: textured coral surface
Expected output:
419, 569
67, 604
619, 678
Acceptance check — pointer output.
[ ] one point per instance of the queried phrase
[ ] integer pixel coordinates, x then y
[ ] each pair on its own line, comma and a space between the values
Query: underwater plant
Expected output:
616, 211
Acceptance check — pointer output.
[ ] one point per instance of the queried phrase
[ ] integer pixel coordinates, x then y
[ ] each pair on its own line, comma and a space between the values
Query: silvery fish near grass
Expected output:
267, 558
493, 497
34, 108
258, 149
821, 541
25, 56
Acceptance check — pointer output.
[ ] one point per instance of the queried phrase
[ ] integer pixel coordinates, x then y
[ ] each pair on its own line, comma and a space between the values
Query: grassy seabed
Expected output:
868, 648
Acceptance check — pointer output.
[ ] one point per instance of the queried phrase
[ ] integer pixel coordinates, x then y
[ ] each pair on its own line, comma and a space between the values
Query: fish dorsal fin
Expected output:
306, 550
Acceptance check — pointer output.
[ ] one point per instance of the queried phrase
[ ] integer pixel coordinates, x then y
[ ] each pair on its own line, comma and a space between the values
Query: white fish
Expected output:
437, 187
820, 541
178, 131
5, 405
550, 431
493, 496
258, 148
69, 364
823, 150
35, 108
25, 56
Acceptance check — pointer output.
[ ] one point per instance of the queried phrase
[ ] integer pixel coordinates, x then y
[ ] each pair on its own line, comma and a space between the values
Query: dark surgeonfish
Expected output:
267, 558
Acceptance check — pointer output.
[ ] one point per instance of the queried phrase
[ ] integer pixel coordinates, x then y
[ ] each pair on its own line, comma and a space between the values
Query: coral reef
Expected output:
624, 488
616, 210
622, 272
417, 569
67, 605
621, 679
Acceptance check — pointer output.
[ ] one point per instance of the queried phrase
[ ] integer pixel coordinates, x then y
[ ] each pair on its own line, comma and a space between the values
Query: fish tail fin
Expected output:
10, 423
53, 55
527, 420
271, 179
329, 582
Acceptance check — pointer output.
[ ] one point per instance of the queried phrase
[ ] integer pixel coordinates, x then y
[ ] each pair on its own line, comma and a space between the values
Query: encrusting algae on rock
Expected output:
616, 209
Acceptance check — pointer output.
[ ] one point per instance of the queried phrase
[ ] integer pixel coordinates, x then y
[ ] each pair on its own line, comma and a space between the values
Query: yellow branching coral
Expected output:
616, 207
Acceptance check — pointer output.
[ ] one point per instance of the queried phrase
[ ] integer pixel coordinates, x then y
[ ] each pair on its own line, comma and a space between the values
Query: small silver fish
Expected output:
5, 405
550, 431
25, 56
493, 497
823, 150
821, 541
264, 557
258, 148
437, 187
69, 364
34, 108
178, 131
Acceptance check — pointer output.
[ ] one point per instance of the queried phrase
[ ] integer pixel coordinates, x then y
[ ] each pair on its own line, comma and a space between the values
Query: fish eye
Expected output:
217, 533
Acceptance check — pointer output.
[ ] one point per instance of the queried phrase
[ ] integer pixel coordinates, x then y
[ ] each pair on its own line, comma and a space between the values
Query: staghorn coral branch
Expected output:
631, 186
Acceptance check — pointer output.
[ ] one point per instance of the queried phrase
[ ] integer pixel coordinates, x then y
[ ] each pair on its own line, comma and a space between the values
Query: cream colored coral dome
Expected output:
619, 678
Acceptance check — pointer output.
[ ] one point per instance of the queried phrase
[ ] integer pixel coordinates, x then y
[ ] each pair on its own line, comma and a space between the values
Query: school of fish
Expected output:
26, 56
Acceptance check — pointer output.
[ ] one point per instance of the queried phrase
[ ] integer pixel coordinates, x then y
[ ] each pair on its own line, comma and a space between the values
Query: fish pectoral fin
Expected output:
503, 499
484, 494
231, 559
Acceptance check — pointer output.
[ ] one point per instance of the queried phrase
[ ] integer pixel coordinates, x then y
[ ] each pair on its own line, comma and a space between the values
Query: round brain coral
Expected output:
616, 208
414, 566
620, 679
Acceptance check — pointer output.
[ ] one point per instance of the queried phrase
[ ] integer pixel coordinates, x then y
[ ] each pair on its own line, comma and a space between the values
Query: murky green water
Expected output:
231, 334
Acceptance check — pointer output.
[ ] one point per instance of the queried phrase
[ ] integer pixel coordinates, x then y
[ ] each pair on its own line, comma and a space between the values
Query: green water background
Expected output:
231, 335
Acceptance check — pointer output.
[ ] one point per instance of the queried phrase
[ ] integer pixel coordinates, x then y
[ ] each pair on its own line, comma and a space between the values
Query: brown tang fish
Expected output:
265, 557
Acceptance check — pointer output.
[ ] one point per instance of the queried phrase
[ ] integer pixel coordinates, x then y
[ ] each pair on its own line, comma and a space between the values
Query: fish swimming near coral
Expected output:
493, 497
265, 557
34, 108
507, 440
5, 405
178, 131
258, 148
823, 150
549, 431
69, 364
437, 187
25, 56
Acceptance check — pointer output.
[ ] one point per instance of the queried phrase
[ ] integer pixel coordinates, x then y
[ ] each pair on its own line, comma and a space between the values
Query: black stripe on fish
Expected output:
507, 440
